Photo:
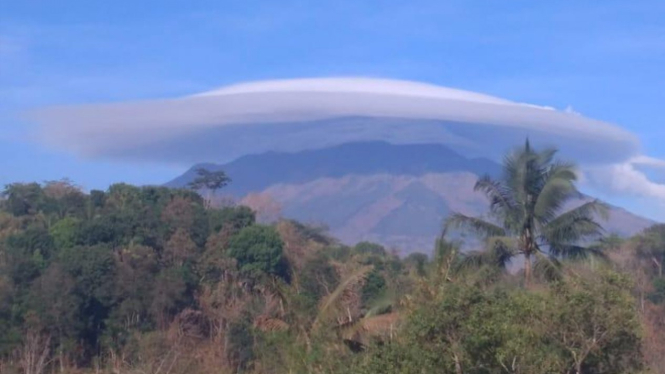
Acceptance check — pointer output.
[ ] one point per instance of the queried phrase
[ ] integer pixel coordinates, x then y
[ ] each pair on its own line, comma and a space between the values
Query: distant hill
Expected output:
397, 195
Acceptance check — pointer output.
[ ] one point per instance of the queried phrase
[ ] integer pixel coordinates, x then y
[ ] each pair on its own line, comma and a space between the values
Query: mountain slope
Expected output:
397, 195
257, 172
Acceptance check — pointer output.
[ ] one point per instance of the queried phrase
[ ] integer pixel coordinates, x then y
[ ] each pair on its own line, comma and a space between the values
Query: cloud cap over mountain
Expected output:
290, 115
298, 114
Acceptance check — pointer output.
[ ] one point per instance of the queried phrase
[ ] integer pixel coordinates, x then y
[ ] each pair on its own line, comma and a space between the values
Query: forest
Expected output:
166, 281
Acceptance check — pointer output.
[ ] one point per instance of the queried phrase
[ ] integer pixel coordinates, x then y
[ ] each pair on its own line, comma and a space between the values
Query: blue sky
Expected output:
604, 59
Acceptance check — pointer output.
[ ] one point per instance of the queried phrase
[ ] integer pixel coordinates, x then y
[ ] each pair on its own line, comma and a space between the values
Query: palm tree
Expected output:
526, 215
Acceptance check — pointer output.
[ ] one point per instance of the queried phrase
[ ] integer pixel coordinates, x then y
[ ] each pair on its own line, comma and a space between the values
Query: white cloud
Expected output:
291, 115
625, 178
309, 113
648, 161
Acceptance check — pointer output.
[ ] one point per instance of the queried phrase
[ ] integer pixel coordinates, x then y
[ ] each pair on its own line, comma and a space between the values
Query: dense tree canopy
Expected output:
258, 250
154, 280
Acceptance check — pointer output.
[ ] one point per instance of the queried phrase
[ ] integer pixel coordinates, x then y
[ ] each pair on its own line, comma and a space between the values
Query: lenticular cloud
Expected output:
291, 115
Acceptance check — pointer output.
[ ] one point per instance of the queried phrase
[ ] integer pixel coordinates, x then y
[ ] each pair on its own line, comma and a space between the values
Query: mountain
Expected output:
257, 172
396, 195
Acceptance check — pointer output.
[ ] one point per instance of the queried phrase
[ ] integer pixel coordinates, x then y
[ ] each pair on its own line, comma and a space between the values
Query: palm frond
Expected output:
380, 323
446, 252
523, 175
575, 225
475, 225
547, 268
539, 167
577, 252
557, 188
514, 175
368, 326
497, 193
473, 260
545, 157
377, 321
444, 249
594, 207
381, 305
502, 249
562, 170
329, 303
526, 173
499, 253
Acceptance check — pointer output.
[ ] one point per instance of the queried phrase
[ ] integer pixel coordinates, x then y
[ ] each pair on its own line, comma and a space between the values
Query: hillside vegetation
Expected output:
156, 280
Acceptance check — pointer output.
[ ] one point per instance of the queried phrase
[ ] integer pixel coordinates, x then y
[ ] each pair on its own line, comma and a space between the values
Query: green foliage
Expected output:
368, 248
595, 321
92, 270
650, 247
657, 296
317, 279
169, 294
374, 287
24, 199
258, 250
588, 324
97, 199
339, 252
211, 180
418, 261
53, 301
65, 232
233, 218
28, 254
149, 279
134, 293
241, 338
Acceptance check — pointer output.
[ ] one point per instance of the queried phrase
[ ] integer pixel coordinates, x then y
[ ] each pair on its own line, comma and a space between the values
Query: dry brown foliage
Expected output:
61, 188
654, 336
179, 213
267, 209
179, 248
34, 355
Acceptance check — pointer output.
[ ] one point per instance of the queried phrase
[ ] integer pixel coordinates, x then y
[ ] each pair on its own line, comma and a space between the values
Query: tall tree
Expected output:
210, 180
527, 217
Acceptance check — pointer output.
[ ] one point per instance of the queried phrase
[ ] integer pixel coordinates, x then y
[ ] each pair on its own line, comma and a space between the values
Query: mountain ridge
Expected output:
252, 173
396, 195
